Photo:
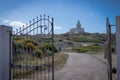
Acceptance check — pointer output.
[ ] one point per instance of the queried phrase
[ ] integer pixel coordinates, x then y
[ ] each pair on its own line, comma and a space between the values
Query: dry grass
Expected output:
100, 56
60, 60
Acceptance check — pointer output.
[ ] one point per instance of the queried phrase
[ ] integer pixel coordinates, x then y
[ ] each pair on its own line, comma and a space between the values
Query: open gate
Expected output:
33, 50
109, 51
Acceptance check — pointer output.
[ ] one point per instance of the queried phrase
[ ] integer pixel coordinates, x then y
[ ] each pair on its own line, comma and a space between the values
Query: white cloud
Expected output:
20, 24
57, 27
13, 23
6, 21
16, 23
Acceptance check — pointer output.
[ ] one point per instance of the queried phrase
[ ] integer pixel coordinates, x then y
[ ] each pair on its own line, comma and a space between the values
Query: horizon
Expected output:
66, 13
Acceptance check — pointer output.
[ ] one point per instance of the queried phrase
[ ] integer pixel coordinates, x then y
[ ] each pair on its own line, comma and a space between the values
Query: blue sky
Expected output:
91, 13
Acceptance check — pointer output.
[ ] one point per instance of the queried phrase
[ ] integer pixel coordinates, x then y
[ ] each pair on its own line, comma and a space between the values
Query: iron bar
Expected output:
35, 23
48, 55
23, 52
19, 48
45, 48
37, 55
30, 49
48, 25
26, 51
52, 49
42, 65
33, 51
17, 70
109, 53
44, 26
41, 42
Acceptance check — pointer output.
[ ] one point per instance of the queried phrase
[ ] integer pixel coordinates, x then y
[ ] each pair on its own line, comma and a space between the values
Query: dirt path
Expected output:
82, 67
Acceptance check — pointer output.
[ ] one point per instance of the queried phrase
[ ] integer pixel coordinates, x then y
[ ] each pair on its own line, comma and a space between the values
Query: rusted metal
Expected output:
30, 61
109, 53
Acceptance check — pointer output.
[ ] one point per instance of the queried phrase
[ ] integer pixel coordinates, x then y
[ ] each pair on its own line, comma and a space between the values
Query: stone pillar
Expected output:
118, 45
5, 51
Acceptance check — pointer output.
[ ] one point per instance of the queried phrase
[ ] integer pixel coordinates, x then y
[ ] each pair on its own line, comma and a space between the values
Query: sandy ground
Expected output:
100, 56
82, 67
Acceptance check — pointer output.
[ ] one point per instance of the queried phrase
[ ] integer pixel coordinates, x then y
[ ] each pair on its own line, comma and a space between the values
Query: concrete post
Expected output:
118, 45
5, 51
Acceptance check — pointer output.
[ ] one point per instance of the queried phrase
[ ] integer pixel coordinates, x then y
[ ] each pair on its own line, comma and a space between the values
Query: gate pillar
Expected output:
118, 45
5, 52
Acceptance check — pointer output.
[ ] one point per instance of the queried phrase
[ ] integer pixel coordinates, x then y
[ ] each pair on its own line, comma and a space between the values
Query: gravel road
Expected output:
82, 67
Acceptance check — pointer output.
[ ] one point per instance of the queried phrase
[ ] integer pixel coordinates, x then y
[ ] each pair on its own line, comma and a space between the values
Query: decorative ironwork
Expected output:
33, 50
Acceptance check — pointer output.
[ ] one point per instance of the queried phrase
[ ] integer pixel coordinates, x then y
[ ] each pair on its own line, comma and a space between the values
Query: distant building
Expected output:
77, 30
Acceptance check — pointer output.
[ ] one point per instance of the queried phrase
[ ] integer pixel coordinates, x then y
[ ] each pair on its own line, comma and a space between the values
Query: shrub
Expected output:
17, 45
38, 52
60, 40
85, 39
80, 49
29, 46
48, 53
49, 47
88, 48
30, 41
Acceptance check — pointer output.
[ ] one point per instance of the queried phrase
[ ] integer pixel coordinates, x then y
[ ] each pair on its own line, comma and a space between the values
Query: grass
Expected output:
85, 39
59, 61
91, 49
21, 73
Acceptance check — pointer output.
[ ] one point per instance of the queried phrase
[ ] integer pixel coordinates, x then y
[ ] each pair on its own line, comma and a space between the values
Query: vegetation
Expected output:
76, 41
33, 46
32, 52
90, 48
60, 60
85, 39
49, 47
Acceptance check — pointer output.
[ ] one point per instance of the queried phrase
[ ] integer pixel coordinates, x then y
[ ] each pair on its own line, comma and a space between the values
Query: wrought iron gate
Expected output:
33, 50
109, 50
109, 53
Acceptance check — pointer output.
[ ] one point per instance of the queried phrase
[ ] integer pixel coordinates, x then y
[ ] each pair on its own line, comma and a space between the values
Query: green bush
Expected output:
49, 47
29, 46
85, 39
17, 44
34, 46
46, 40
60, 40
30, 41
87, 48
17, 38
48, 53
38, 52
80, 49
